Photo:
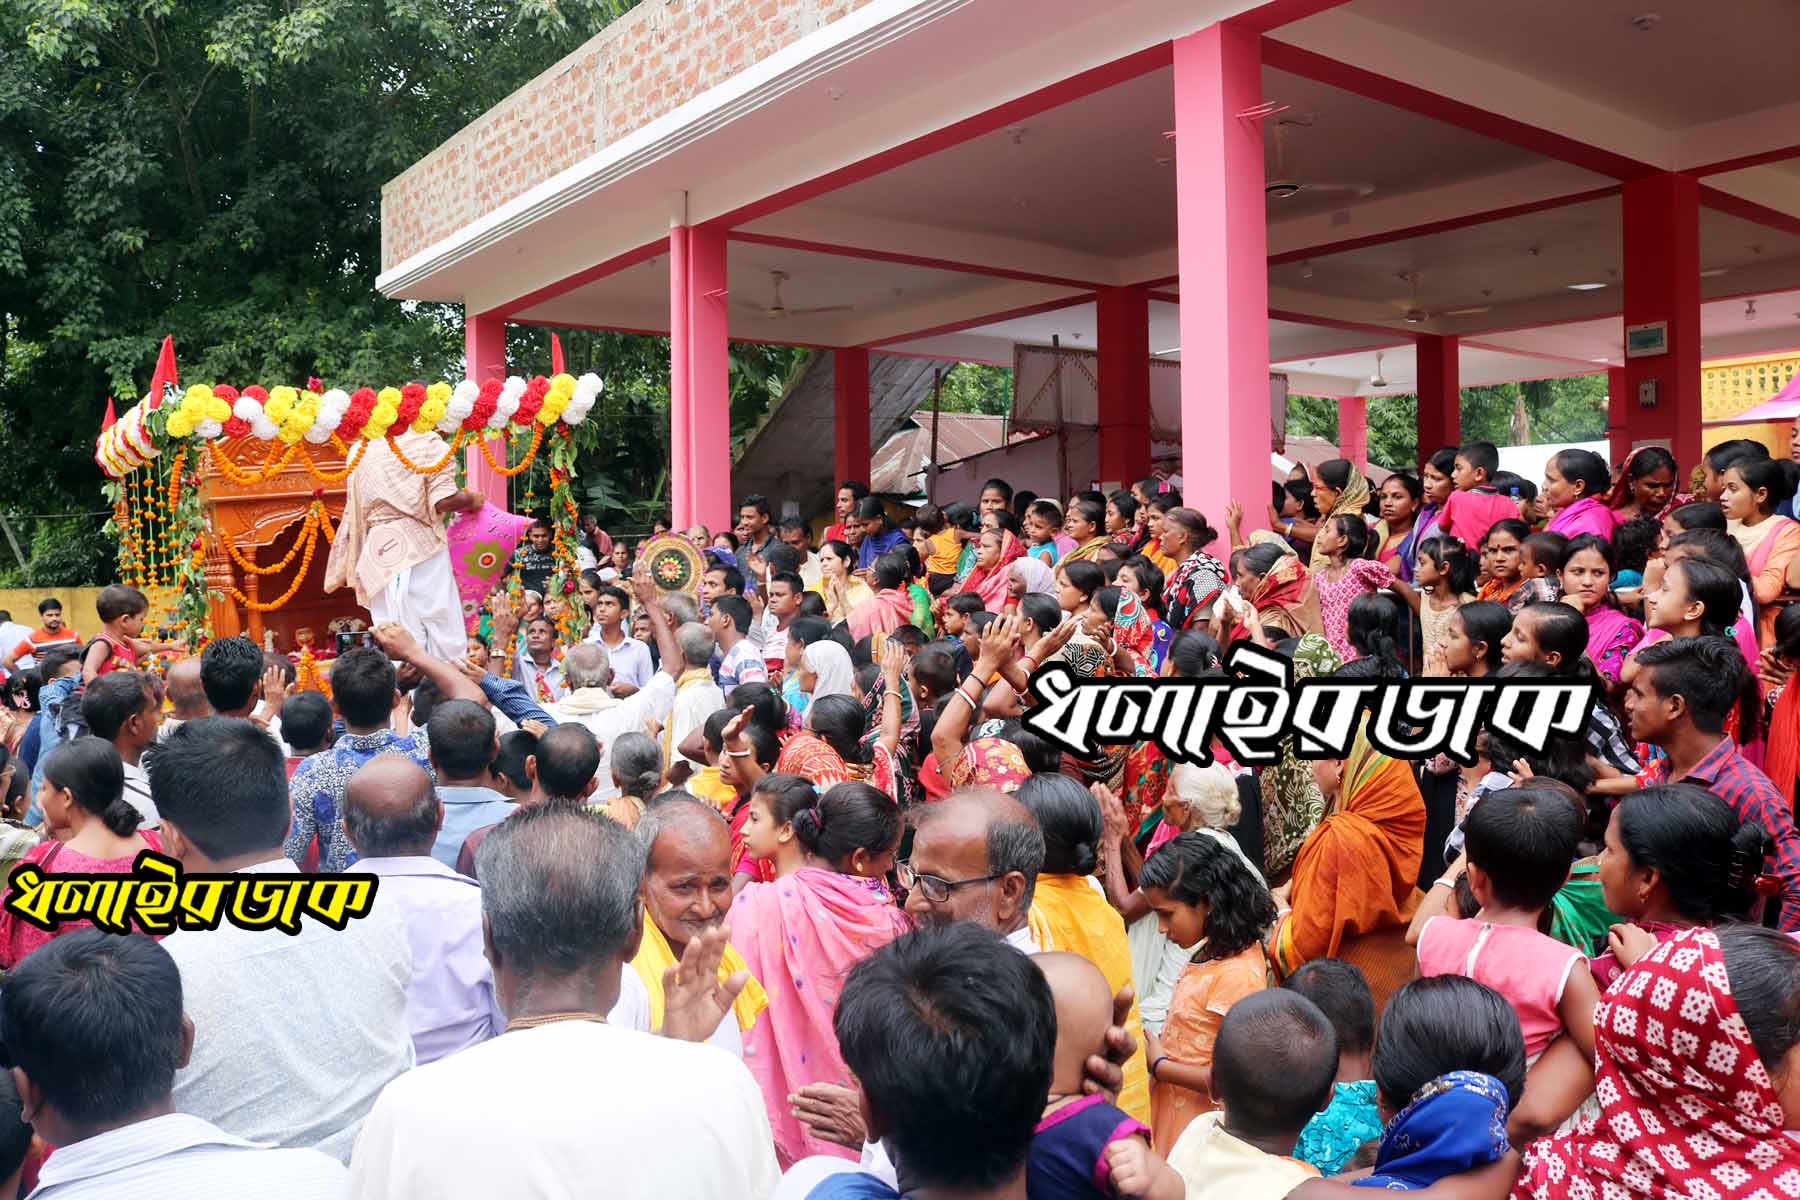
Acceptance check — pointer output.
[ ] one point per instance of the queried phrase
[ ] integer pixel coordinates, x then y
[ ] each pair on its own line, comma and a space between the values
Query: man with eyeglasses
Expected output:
975, 857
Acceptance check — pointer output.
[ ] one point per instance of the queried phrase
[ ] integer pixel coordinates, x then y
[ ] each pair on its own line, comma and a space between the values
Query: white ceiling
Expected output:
1703, 61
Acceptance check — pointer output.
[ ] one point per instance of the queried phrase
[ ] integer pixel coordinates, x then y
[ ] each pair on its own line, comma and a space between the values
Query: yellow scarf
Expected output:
1069, 913
654, 957
691, 676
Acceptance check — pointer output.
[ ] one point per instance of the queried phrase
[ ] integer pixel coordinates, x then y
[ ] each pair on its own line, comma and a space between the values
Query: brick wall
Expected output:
657, 57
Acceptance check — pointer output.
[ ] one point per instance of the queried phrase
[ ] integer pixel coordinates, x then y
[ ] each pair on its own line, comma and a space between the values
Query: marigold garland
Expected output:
333, 476
272, 466
456, 444
537, 437
307, 543
315, 516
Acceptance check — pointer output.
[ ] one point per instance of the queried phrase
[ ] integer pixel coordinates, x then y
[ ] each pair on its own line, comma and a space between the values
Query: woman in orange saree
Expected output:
1354, 885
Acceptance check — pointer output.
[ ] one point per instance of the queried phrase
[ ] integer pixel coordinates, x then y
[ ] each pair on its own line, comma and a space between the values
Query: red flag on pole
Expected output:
165, 373
556, 358
111, 417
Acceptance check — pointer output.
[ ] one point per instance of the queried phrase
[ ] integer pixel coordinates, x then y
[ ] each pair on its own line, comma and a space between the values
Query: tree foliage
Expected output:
212, 169
1554, 410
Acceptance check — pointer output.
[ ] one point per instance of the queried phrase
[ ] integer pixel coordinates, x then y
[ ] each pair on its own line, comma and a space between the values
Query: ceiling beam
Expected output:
1722, 201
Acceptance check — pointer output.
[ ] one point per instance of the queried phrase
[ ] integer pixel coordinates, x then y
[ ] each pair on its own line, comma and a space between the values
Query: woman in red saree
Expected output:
1276, 583
992, 577
801, 935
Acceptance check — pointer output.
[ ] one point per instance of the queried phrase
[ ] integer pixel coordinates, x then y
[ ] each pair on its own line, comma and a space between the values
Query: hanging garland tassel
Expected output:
318, 523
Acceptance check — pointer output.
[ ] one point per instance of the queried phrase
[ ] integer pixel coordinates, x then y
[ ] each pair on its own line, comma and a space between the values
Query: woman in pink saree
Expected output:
992, 579
801, 935
891, 606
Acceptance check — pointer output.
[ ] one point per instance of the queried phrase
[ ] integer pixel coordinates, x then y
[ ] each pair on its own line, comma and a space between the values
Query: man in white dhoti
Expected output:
390, 545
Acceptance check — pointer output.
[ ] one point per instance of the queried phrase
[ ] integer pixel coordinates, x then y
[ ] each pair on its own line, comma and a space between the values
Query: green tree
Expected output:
977, 388
212, 169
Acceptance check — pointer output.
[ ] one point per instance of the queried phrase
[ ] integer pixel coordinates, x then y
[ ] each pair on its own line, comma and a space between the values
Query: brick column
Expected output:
1224, 272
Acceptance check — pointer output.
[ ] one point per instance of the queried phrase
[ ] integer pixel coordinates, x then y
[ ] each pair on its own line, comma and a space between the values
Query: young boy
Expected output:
1476, 504
957, 611
942, 549
1274, 1064
740, 662
1539, 556
535, 559
1333, 1137
629, 657
1073, 1155
122, 610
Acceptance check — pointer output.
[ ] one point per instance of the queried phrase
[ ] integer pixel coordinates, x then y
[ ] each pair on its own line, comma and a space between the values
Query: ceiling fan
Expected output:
1281, 185
775, 310
1413, 313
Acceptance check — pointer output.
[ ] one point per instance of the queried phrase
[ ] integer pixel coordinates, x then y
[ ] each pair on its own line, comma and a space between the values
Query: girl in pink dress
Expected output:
1346, 574
1770, 542
1587, 572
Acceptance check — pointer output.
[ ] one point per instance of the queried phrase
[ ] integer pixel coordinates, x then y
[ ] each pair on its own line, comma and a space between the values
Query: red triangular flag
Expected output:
165, 373
111, 418
556, 358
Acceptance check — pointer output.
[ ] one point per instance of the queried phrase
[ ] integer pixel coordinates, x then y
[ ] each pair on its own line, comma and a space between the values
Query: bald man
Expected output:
975, 857
392, 815
686, 891
187, 697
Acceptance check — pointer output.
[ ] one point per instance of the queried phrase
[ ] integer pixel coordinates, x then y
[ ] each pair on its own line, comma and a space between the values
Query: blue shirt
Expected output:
317, 792
877, 545
1333, 1136
466, 809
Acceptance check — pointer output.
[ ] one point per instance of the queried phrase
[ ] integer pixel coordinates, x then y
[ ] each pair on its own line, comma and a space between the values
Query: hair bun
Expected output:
1086, 859
809, 826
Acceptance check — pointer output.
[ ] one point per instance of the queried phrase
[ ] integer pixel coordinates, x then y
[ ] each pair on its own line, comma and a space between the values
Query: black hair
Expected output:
223, 780
1375, 627
1648, 460
1717, 545
757, 501
781, 558
793, 525
119, 600
515, 748
462, 739
1084, 576
230, 669
1482, 456
787, 794
1336, 472
1547, 549
617, 593
1777, 476
1717, 590
765, 747
1107, 600
91, 771
1512, 526
1446, 1023
962, 516
426, 695
94, 1020
966, 603
1763, 969
1261, 558
1453, 560
841, 722
736, 609
1590, 541
1069, 817
362, 686
1041, 610
1584, 467
1706, 858
948, 1032
1410, 482
768, 708
1193, 652
891, 570
935, 669
53, 660
930, 518
1342, 993
1125, 503
909, 635
111, 700
1149, 578
1732, 451
870, 508
789, 579
1563, 757
856, 487
1787, 631
1708, 672
812, 605
1355, 532
306, 720
1508, 482
568, 757
1046, 510
1275, 1059
1701, 514
1001, 486
734, 578
1042, 757
1523, 839
807, 630
15, 1132
1194, 521
1302, 490
48, 603
1634, 541
1193, 867
1091, 511
848, 817
731, 539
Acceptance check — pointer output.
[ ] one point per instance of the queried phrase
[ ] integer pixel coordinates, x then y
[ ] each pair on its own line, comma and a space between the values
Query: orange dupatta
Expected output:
1357, 871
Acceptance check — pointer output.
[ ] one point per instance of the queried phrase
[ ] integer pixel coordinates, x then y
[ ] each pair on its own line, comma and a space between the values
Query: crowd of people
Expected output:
772, 892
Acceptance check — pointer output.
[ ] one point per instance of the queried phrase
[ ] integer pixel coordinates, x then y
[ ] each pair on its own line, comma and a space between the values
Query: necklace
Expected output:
551, 1019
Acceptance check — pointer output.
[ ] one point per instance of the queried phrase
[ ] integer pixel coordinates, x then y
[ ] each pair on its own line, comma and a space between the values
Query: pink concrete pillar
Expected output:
1440, 393
1618, 415
850, 429
1124, 376
484, 348
699, 380
1224, 272
1662, 284
1353, 430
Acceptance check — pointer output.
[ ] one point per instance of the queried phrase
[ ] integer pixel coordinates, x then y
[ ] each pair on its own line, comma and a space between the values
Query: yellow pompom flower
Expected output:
179, 425
553, 408
217, 409
389, 396
439, 394
433, 410
289, 434
280, 403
